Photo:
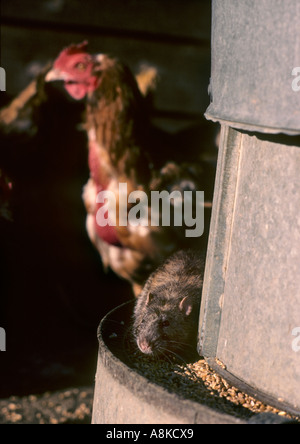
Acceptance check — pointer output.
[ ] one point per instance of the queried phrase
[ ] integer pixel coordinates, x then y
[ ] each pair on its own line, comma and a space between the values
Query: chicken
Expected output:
5, 194
16, 119
21, 116
124, 149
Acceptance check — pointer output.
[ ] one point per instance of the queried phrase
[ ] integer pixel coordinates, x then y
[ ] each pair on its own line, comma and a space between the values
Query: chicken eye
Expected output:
81, 66
165, 324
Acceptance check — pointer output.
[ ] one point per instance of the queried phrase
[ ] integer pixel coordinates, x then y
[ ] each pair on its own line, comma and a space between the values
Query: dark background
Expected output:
53, 289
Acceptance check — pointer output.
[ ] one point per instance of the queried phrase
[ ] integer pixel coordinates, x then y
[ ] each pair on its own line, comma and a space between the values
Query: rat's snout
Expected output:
145, 346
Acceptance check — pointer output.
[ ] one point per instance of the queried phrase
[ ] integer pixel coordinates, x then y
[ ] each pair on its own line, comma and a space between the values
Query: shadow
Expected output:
53, 288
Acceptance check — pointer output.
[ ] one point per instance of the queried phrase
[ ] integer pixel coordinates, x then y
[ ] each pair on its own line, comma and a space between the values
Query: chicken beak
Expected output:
54, 75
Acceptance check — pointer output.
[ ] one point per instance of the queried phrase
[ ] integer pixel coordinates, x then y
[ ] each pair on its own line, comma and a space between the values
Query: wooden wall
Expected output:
172, 35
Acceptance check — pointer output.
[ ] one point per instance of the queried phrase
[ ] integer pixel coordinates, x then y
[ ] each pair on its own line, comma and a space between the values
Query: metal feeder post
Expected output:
250, 310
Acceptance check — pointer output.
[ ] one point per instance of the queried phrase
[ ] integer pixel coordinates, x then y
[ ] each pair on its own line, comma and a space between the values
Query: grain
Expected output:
73, 406
198, 382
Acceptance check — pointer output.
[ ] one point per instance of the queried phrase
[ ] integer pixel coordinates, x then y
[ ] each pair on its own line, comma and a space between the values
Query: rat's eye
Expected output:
165, 324
80, 66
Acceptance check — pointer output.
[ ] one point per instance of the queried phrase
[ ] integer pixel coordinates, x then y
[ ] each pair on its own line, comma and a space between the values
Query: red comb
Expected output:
76, 49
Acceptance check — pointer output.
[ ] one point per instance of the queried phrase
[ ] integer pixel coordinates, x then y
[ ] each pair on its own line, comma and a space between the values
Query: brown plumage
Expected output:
22, 114
5, 192
124, 149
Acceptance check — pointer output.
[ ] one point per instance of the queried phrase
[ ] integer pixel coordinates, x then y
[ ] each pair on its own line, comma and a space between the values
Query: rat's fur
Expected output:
166, 314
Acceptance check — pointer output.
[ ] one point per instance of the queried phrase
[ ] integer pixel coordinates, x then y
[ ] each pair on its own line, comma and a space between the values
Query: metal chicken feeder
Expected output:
250, 312
123, 396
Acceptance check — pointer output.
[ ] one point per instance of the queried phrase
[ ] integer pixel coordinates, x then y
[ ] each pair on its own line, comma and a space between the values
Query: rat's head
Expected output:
165, 326
75, 67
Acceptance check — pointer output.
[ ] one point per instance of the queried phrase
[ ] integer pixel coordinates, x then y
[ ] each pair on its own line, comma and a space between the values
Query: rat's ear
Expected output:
149, 298
186, 306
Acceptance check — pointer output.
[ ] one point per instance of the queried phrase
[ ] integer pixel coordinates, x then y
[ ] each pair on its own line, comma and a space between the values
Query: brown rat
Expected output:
167, 312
